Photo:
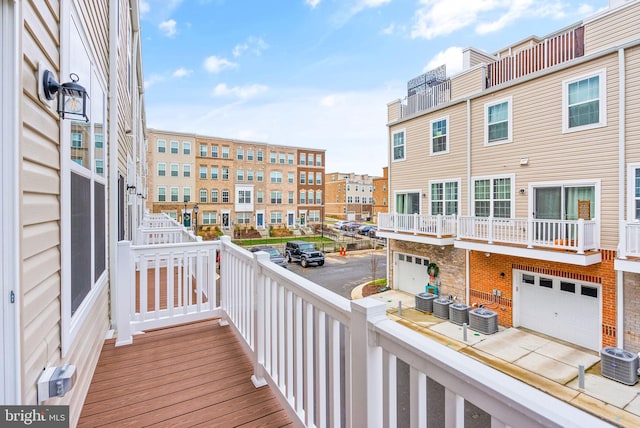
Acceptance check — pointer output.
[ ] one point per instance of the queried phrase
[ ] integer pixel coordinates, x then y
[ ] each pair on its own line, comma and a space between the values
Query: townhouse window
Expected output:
349, 199
260, 156
243, 218
439, 136
203, 196
174, 169
225, 196
162, 194
584, 103
203, 150
209, 217
174, 194
398, 145
214, 172
162, 146
444, 197
357, 199
384, 187
250, 175
76, 140
244, 196
318, 178
348, 187
281, 156
498, 122
492, 197
250, 154
290, 158
225, 173
260, 196
186, 148
275, 217
99, 139
203, 172
633, 180
174, 147
408, 203
259, 175
162, 169
356, 187
303, 178
318, 160
225, 152
290, 199
290, 177
310, 159
186, 170
240, 174
240, 154
560, 202
310, 197
303, 197
303, 159
384, 201
214, 151
314, 216
276, 197
310, 178
214, 196
272, 157
186, 194
99, 166
276, 176
319, 198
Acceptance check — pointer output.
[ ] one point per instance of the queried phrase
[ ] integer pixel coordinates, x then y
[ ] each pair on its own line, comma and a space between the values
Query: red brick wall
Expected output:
485, 276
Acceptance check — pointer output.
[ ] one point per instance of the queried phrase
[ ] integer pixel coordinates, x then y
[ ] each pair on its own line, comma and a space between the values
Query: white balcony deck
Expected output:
329, 361
427, 229
629, 250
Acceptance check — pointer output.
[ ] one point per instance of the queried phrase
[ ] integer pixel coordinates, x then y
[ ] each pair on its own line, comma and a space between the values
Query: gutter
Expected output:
113, 157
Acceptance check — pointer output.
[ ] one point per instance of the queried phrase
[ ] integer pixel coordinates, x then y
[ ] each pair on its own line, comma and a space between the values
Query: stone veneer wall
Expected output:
451, 262
632, 312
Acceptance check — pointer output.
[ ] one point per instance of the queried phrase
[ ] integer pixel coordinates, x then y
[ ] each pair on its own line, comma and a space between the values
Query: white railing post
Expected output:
581, 237
225, 289
259, 320
458, 227
395, 217
126, 280
416, 223
366, 370
622, 233
439, 226
490, 230
529, 232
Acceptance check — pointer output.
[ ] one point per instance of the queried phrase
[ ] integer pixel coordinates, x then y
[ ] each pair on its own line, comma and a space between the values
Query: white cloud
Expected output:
144, 7
241, 92
168, 27
451, 57
152, 80
312, 3
181, 72
522, 8
239, 49
389, 29
253, 44
354, 7
585, 9
441, 17
214, 64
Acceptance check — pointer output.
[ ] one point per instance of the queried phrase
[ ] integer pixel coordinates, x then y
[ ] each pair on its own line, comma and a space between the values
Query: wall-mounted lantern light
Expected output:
131, 189
72, 97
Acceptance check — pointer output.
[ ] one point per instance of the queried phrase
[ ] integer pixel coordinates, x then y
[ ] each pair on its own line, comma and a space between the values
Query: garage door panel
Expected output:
411, 273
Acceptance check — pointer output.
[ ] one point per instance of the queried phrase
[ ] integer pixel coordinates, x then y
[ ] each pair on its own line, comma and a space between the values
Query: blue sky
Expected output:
317, 73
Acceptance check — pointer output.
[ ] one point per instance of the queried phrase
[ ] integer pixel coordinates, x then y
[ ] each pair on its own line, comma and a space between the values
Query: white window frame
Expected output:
186, 147
512, 206
406, 191
186, 170
177, 193
509, 139
200, 173
203, 199
174, 144
595, 183
186, 192
444, 200
446, 150
631, 194
161, 144
404, 145
171, 169
602, 101
163, 169
164, 188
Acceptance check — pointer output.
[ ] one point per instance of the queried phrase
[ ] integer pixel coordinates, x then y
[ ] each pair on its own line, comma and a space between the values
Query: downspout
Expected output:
113, 157
467, 274
621, 196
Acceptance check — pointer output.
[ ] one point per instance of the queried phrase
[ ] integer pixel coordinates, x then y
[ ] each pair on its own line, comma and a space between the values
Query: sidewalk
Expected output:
540, 361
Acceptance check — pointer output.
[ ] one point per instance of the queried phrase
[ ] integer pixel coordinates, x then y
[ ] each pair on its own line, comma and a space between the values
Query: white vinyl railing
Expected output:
432, 97
630, 240
331, 362
437, 225
161, 229
159, 220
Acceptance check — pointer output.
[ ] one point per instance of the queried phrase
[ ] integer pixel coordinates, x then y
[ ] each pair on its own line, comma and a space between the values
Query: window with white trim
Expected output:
398, 149
225, 173
214, 196
445, 197
633, 191
162, 194
303, 197
174, 147
214, 151
290, 159
186, 148
162, 146
276, 176
186, 194
239, 153
260, 196
498, 120
318, 160
203, 196
260, 156
209, 217
225, 152
310, 159
275, 217
174, 194
291, 177
291, 196
272, 157
203, 150
203, 172
493, 197
584, 102
249, 154
214, 172
225, 196
318, 178
174, 169
310, 197
244, 196
276, 197
303, 158
243, 218
240, 174
303, 178
440, 136
259, 175
186, 170
249, 175
408, 203
162, 169
281, 157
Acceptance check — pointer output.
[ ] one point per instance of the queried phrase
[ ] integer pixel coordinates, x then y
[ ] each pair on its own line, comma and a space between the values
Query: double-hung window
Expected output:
186, 170
186, 148
276, 197
203, 172
225, 173
290, 177
240, 175
250, 154
276, 176
214, 151
225, 196
225, 152
214, 196
203, 150
174, 169
162, 194
174, 194
174, 147
445, 197
203, 196
493, 197
303, 178
498, 120
303, 197
398, 145
162, 146
584, 102
259, 175
214, 172
240, 154
162, 169
440, 136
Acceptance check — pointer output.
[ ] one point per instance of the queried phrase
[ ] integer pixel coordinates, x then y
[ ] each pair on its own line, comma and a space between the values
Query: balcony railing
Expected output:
162, 229
429, 99
579, 235
436, 225
330, 361
630, 242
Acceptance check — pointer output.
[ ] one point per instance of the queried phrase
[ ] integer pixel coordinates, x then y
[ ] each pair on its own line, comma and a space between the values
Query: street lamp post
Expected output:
196, 208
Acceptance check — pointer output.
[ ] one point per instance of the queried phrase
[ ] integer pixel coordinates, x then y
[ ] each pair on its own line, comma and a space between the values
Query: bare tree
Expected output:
374, 266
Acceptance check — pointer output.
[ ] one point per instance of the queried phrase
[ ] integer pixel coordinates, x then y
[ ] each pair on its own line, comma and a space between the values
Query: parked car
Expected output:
364, 229
338, 224
350, 226
274, 254
304, 252
373, 232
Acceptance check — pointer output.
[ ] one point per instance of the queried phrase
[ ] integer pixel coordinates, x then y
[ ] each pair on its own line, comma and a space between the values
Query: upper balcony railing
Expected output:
162, 229
556, 50
630, 240
436, 225
330, 361
432, 97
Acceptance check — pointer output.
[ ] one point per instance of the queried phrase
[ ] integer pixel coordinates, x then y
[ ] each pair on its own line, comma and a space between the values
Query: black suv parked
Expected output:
303, 252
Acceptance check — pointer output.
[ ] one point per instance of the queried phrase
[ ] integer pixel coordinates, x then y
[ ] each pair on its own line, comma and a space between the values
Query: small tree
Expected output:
374, 266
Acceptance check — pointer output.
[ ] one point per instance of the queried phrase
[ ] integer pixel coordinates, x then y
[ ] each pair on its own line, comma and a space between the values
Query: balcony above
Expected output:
426, 229
629, 250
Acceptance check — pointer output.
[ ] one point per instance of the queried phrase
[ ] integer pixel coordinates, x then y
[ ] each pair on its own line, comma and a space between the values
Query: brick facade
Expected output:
631, 312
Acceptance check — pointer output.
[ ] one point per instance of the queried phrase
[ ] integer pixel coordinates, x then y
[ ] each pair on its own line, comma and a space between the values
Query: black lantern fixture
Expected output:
131, 189
72, 97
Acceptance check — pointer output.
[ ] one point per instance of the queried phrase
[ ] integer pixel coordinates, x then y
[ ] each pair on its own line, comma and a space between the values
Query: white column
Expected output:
126, 280
259, 321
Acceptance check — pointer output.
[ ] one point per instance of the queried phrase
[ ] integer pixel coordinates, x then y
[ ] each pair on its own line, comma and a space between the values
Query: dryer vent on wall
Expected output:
619, 365
483, 321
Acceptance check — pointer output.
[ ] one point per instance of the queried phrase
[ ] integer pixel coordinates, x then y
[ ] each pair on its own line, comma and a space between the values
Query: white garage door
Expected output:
560, 307
410, 273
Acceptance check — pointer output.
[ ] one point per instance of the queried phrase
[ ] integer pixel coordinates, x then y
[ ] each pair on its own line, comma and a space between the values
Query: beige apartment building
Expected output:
349, 195
235, 184
520, 178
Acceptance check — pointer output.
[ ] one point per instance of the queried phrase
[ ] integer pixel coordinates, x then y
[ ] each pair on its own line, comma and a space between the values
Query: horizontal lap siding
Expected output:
598, 35
554, 156
632, 101
467, 84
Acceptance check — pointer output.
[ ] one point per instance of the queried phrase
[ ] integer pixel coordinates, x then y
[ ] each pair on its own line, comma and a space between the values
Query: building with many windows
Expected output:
380, 194
349, 195
519, 177
235, 183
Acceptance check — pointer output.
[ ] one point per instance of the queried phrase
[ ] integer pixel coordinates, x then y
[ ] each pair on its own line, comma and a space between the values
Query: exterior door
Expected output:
260, 220
410, 273
225, 220
290, 217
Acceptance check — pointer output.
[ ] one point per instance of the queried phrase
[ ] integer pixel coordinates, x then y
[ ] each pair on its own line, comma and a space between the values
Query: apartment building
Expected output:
72, 185
234, 183
519, 177
380, 194
349, 195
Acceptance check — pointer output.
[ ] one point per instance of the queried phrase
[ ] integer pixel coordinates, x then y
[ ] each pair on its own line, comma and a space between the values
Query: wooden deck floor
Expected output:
191, 375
